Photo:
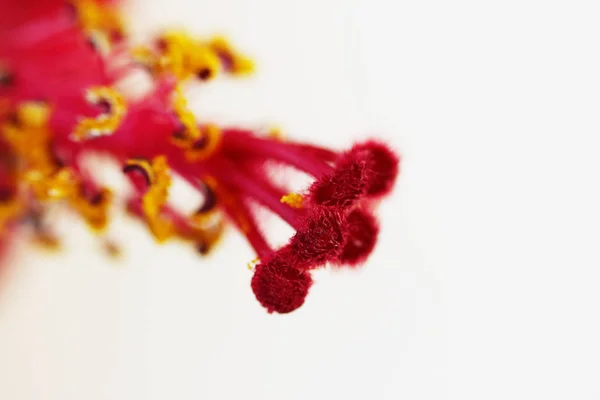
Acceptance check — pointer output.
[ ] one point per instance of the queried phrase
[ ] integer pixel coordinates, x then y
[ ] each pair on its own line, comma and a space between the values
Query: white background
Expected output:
484, 284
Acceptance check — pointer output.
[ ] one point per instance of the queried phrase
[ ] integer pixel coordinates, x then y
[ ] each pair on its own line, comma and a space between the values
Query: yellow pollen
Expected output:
198, 143
185, 57
186, 117
253, 263
275, 133
94, 213
33, 114
156, 197
103, 124
30, 138
240, 64
294, 200
58, 185
94, 16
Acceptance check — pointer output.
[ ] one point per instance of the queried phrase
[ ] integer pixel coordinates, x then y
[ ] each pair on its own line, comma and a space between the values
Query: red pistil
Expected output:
47, 56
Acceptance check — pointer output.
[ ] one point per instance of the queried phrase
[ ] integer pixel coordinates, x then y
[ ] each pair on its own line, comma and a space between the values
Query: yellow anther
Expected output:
33, 114
240, 64
29, 138
275, 133
95, 210
95, 16
206, 145
253, 263
156, 197
105, 123
58, 185
184, 57
294, 200
186, 117
198, 143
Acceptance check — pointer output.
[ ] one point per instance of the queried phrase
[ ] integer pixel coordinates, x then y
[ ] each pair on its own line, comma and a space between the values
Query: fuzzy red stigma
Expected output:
279, 287
382, 166
319, 240
341, 188
360, 237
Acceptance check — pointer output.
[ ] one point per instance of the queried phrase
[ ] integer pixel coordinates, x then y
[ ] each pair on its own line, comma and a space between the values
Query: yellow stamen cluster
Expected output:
29, 137
105, 123
198, 142
100, 21
183, 56
294, 200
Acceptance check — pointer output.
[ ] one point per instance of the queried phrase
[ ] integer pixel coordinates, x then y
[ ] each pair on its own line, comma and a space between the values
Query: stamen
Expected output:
235, 62
252, 264
156, 196
33, 114
206, 145
58, 185
186, 117
107, 122
142, 166
95, 209
198, 143
94, 16
184, 57
293, 200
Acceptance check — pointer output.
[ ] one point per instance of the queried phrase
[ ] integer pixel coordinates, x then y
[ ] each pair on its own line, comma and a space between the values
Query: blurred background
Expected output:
484, 281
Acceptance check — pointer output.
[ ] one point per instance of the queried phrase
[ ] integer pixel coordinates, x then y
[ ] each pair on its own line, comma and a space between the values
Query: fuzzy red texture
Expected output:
319, 239
279, 287
341, 188
336, 224
381, 166
360, 238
